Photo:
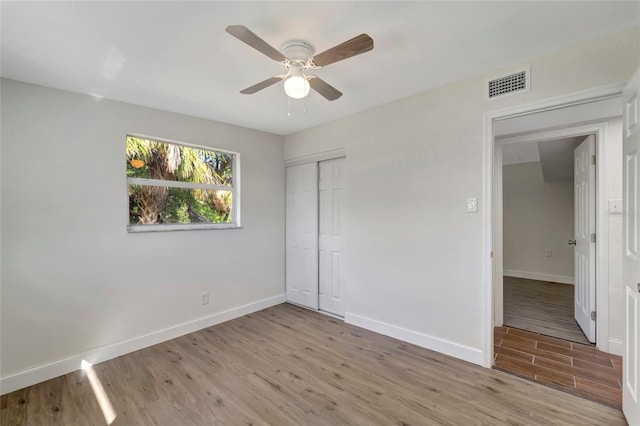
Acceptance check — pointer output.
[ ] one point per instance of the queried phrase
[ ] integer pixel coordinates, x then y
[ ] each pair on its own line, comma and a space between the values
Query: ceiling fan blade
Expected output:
262, 85
355, 46
325, 89
242, 33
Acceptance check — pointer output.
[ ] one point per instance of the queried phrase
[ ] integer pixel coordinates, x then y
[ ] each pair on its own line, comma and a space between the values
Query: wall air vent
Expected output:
514, 83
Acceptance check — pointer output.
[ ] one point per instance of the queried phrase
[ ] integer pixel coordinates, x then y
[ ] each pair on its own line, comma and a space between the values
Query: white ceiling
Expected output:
555, 156
520, 153
176, 56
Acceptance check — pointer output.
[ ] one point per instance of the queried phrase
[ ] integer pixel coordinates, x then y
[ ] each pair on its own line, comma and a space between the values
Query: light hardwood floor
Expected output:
289, 366
541, 307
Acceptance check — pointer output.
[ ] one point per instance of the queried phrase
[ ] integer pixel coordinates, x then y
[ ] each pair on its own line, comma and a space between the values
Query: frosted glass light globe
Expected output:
296, 87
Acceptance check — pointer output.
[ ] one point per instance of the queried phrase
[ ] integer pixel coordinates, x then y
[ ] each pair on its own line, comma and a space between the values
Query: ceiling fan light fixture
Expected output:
296, 86
299, 57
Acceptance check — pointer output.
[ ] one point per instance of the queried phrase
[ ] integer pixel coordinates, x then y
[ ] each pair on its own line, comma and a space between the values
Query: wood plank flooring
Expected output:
580, 369
541, 307
290, 366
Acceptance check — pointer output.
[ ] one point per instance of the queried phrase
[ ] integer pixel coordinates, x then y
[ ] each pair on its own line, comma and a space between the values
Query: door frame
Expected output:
599, 130
489, 191
315, 158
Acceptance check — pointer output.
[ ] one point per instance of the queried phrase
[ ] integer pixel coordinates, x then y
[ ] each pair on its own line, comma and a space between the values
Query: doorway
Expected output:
605, 282
545, 208
315, 212
560, 363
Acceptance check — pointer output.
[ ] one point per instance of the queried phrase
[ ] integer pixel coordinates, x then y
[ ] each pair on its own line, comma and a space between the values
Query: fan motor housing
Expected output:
297, 50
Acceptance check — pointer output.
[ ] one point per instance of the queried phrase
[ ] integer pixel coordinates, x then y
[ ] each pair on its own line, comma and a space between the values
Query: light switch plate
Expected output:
615, 206
472, 205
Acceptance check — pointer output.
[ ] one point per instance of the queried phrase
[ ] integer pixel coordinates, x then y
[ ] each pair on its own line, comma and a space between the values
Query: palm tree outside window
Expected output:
173, 184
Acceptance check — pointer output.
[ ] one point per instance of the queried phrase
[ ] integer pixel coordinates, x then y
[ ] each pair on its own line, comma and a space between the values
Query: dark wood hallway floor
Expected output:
541, 307
573, 367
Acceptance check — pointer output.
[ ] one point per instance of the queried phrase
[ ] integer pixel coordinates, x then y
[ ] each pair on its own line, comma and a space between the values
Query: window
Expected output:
174, 186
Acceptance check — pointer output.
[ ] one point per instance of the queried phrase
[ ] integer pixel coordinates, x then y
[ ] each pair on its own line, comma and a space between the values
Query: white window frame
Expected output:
234, 188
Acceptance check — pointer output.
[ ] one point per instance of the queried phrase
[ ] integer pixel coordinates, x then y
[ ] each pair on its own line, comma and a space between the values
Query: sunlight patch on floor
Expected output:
103, 400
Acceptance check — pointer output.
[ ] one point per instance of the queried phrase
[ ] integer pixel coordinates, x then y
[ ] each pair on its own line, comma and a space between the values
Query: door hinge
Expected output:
593, 315
593, 238
593, 159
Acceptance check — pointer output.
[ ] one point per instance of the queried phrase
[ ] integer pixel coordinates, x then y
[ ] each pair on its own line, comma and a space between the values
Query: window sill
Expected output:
184, 227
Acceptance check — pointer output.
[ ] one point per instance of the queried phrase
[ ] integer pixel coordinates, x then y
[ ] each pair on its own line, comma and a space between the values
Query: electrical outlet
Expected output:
204, 297
548, 253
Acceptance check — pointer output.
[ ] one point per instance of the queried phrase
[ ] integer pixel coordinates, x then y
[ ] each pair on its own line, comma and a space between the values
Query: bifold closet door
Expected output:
302, 235
330, 240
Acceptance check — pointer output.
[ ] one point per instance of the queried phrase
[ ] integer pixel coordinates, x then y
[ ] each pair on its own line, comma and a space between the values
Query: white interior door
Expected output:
631, 259
302, 235
331, 212
585, 226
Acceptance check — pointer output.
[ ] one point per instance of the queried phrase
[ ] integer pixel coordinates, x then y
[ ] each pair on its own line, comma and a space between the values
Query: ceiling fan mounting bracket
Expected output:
297, 50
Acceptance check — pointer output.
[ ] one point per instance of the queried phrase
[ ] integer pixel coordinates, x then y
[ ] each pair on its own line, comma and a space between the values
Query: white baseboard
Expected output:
562, 279
437, 344
31, 376
616, 346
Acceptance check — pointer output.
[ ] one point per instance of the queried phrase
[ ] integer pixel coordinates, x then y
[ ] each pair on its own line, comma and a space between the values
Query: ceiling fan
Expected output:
297, 56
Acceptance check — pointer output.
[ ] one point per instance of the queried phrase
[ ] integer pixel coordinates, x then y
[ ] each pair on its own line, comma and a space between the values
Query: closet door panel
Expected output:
302, 235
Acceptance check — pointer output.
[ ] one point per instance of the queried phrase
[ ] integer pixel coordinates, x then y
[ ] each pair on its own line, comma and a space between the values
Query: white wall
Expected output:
537, 216
73, 279
414, 255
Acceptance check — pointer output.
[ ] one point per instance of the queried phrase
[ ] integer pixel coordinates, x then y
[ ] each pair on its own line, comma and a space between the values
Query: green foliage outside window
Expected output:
155, 203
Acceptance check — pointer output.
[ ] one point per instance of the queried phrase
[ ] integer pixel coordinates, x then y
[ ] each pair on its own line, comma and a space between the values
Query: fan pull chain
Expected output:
288, 106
